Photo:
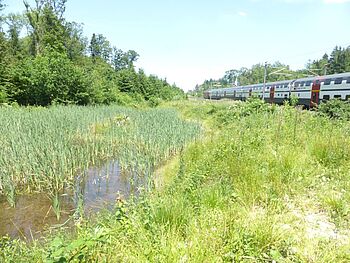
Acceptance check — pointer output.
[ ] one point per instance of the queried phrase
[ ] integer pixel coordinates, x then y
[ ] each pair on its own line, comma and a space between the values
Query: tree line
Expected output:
337, 62
55, 63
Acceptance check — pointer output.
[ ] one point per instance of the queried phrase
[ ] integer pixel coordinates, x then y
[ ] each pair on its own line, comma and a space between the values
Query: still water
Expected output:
95, 189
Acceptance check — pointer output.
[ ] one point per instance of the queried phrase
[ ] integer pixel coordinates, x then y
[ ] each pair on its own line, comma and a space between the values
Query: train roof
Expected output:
340, 75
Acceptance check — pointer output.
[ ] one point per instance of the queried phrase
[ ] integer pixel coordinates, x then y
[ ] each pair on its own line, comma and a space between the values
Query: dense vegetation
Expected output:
268, 183
43, 149
55, 63
335, 109
337, 62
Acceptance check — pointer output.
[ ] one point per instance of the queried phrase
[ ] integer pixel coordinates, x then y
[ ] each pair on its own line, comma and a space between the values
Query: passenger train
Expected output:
310, 91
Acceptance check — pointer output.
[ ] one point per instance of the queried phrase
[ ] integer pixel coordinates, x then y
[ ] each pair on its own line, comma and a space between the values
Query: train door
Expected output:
250, 92
234, 94
315, 94
225, 94
272, 94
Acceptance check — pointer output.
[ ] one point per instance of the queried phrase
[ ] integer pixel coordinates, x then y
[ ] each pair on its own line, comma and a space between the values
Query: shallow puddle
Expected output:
31, 216
101, 187
95, 189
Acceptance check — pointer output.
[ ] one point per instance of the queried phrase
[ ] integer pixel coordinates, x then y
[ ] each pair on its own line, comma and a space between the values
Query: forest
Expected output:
45, 60
337, 62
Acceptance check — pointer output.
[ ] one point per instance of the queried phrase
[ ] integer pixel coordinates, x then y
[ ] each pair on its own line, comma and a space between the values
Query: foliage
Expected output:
336, 109
53, 64
43, 148
48, 78
100, 48
337, 62
271, 185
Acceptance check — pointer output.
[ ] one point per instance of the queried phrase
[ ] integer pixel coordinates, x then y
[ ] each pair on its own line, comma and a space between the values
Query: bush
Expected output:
154, 102
49, 78
239, 110
102, 81
124, 99
336, 109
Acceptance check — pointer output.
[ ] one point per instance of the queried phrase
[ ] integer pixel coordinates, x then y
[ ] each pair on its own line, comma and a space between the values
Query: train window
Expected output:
338, 81
348, 80
296, 84
317, 81
337, 96
325, 97
308, 83
327, 81
347, 97
302, 83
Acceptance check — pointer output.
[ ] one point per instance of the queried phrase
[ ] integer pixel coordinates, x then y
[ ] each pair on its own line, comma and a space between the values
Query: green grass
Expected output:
43, 149
268, 183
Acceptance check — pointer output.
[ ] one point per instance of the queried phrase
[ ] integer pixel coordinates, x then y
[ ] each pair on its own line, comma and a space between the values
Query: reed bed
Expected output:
44, 149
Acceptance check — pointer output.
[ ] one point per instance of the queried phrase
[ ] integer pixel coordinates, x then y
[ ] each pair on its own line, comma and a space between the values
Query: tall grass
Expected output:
44, 149
268, 184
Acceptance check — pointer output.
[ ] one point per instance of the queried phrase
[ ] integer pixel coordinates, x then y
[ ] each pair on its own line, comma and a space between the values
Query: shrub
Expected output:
48, 78
336, 109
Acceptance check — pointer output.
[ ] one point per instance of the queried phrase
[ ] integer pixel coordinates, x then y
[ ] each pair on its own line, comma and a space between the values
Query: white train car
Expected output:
309, 91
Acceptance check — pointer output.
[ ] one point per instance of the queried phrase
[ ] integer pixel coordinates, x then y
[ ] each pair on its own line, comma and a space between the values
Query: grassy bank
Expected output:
268, 183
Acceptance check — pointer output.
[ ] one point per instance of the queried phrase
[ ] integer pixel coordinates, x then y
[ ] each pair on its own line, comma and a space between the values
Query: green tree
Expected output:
75, 41
47, 78
47, 25
318, 66
100, 48
15, 23
122, 60
337, 60
50, 64
132, 57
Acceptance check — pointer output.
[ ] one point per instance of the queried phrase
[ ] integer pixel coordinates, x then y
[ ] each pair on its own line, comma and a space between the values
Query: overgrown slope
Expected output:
268, 183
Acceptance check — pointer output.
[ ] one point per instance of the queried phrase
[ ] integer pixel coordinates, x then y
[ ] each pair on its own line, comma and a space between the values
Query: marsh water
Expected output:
95, 189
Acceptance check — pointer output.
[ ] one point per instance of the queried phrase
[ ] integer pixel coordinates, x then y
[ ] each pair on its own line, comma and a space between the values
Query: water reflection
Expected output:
100, 187
96, 188
31, 216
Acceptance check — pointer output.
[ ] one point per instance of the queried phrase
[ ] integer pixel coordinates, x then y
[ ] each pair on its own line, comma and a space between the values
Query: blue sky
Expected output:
188, 41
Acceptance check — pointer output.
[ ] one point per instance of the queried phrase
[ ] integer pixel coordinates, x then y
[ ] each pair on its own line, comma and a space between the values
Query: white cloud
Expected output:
335, 1
242, 13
